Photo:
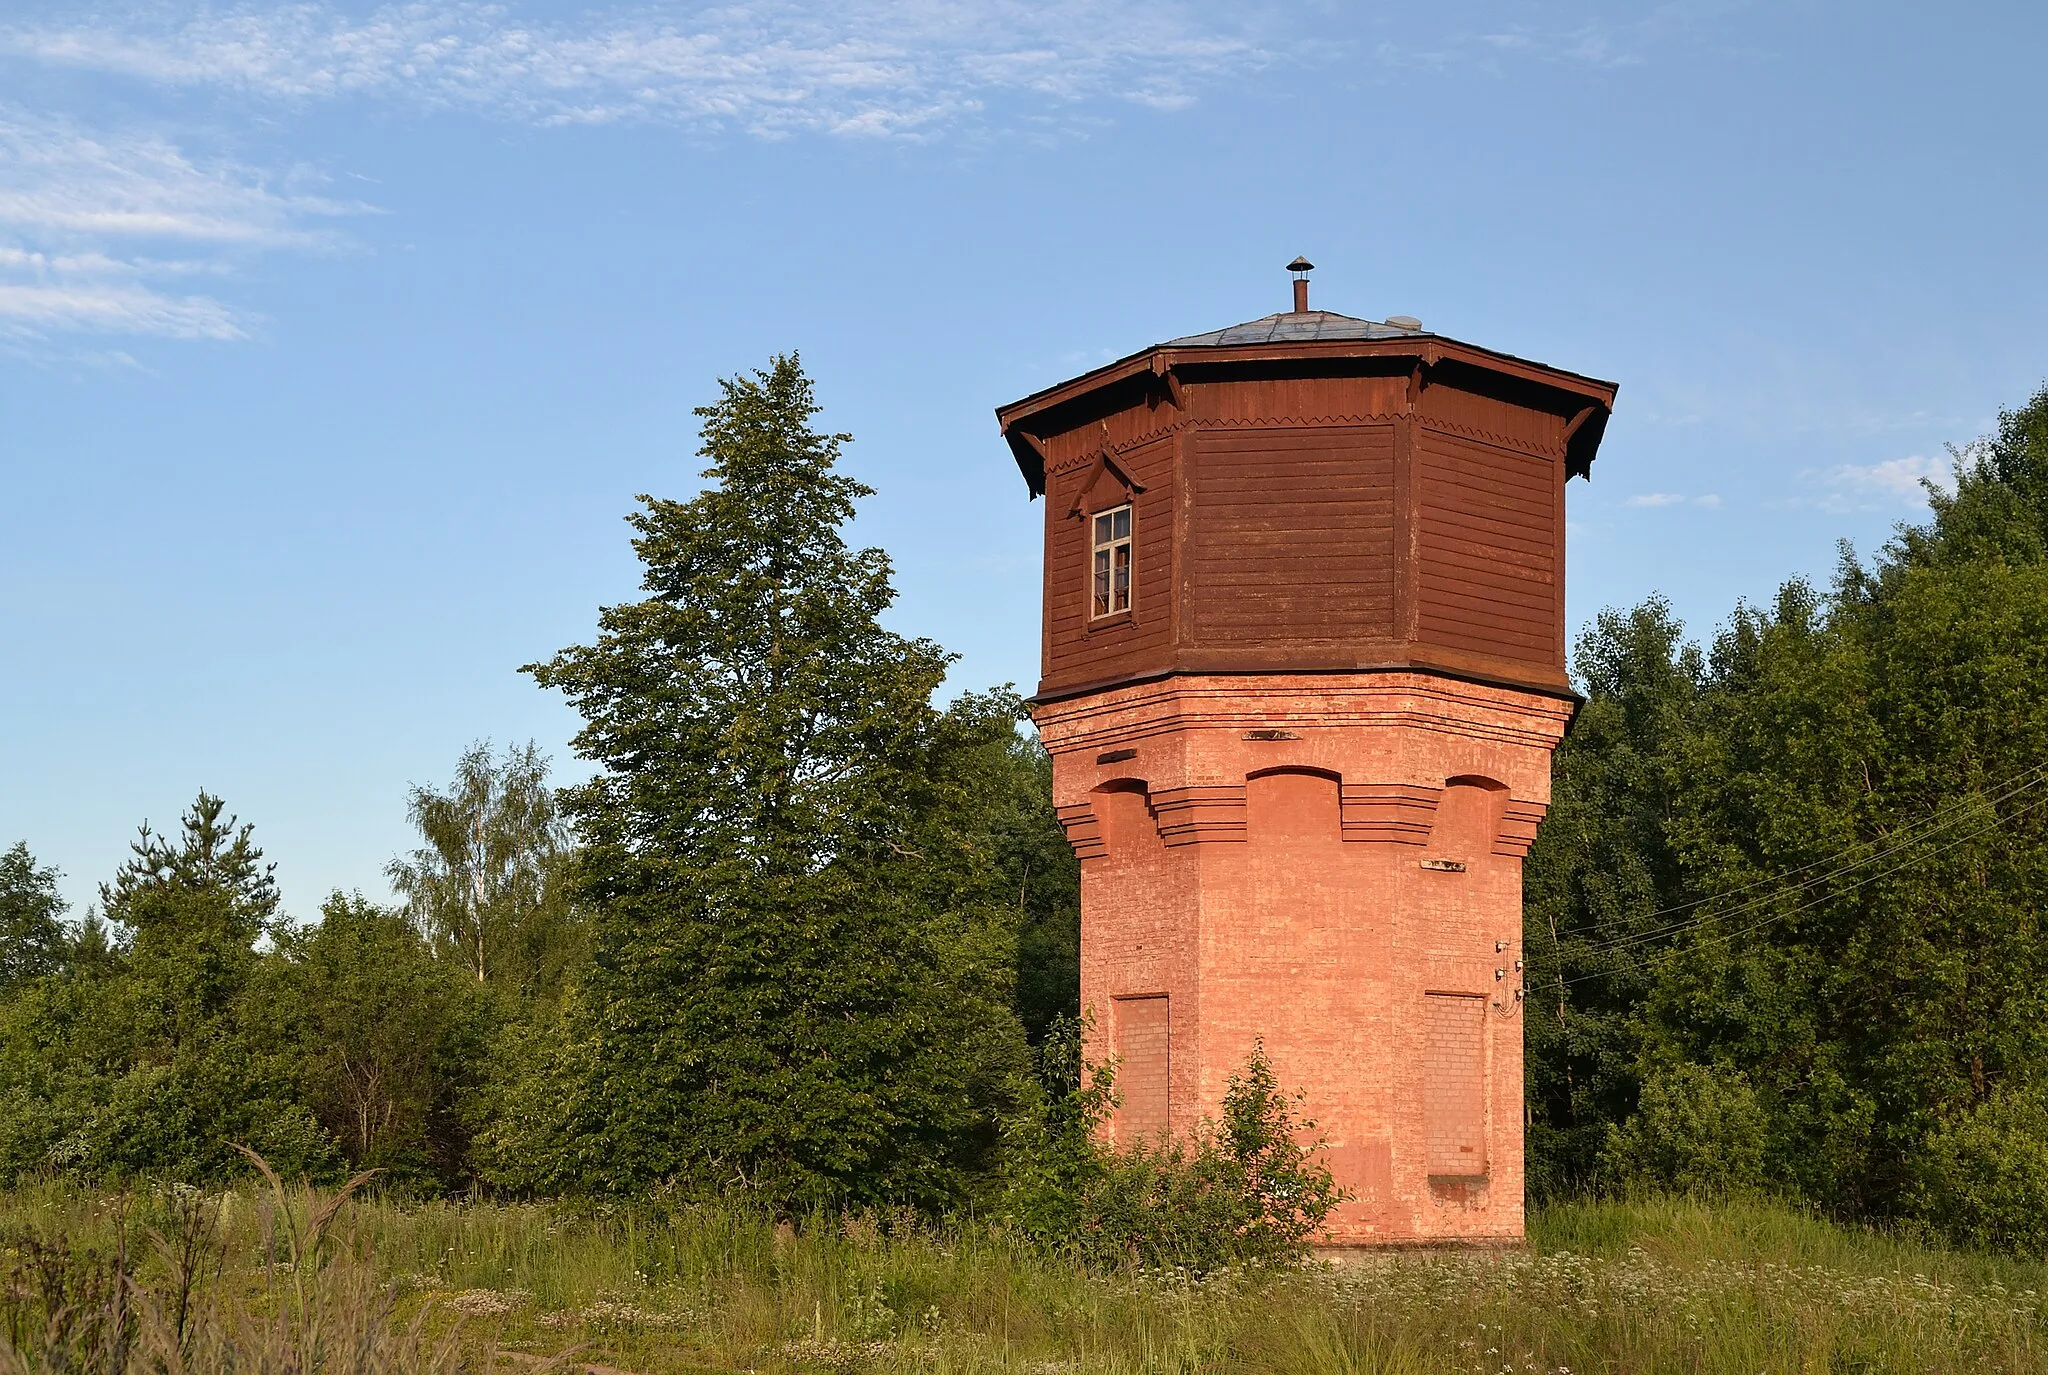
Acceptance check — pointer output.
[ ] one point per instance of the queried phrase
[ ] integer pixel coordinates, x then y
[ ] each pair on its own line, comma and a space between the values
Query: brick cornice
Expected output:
1413, 701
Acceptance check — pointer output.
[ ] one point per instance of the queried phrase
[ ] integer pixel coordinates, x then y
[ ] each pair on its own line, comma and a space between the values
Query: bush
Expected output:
1246, 1190
1984, 1175
1695, 1131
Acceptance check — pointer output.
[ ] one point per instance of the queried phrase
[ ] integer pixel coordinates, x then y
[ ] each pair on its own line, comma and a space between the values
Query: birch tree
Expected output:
485, 887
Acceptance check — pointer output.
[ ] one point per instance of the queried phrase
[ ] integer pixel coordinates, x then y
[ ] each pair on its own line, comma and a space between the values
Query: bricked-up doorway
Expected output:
1454, 1084
1144, 1050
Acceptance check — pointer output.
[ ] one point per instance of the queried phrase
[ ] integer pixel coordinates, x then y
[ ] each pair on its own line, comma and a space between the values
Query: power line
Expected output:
1916, 834
1725, 937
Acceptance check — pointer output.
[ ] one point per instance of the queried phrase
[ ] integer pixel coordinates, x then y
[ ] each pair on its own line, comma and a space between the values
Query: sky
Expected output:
336, 339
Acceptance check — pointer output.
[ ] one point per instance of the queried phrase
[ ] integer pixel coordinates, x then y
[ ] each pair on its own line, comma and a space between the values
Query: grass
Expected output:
439, 1287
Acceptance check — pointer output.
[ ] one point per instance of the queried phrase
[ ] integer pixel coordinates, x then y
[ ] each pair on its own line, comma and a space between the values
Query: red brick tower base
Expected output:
1330, 862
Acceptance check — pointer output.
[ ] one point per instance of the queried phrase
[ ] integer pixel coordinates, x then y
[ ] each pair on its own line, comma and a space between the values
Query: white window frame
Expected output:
1107, 538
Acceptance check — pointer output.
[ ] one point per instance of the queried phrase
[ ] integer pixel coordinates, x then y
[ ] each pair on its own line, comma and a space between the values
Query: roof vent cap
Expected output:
1404, 322
1301, 267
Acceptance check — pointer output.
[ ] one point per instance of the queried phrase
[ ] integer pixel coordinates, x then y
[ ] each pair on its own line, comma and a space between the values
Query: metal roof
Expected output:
1310, 326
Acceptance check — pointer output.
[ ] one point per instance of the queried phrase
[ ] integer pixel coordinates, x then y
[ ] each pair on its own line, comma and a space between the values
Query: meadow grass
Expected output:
1650, 1286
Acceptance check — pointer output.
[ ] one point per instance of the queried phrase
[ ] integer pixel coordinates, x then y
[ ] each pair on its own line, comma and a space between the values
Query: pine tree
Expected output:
800, 983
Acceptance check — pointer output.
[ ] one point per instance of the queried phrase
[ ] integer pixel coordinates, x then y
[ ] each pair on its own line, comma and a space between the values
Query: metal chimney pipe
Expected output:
1301, 267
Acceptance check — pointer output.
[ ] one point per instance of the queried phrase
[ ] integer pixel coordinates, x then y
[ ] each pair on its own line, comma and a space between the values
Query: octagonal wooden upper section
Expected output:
1311, 493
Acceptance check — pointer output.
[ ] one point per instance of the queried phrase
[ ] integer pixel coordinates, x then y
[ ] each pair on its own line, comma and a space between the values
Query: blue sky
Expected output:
335, 339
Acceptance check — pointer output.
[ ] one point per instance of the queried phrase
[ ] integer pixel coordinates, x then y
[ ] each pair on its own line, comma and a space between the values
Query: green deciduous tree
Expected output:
389, 1041
487, 886
802, 963
1040, 870
32, 941
1602, 866
1842, 820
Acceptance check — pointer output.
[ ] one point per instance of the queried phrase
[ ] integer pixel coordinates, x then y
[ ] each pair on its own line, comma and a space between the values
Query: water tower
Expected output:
1304, 667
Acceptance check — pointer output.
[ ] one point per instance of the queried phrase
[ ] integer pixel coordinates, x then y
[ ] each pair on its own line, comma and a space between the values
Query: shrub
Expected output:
1695, 1130
1984, 1175
1249, 1189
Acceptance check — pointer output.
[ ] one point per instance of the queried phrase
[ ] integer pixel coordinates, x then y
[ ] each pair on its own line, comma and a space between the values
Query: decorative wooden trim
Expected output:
1105, 462
1517, 447
1398, 812
1169, 386
1085, 457
1264, 422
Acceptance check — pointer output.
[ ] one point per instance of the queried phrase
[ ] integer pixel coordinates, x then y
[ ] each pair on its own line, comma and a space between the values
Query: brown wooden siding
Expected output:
1292, 538
1520, 427
1257, 399
1487, 548
1313, 522
1134, 645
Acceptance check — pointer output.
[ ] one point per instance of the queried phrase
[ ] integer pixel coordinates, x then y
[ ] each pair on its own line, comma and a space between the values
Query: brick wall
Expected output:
1454, 1084
1365, 957
1144, 1040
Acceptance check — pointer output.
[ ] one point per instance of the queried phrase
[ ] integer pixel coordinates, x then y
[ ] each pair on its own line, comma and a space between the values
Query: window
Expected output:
1112, 562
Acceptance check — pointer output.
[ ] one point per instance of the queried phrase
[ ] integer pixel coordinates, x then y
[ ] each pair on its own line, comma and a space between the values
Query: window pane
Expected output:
1103, 528
1123, 523
1123, 577
1102, 582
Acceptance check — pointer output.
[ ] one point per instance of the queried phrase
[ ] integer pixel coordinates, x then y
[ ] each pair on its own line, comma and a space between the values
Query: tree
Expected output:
196, 906
802, 973
212, 857
150, 1059
1821, 848
486, 887
1042, 874
32, 941
389, 1039
1251, 1188
1601, 869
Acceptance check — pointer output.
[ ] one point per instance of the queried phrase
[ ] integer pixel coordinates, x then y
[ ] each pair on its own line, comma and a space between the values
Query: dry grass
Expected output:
443, 1287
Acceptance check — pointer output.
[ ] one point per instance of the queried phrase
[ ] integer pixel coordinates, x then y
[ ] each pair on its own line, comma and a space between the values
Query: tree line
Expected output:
809, 936
1787, 919
806, 937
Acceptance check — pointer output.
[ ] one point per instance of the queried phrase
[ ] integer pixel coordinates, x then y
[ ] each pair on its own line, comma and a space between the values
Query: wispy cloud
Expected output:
1891, 484
94, 227
1898, 479
861, 67
1652, 499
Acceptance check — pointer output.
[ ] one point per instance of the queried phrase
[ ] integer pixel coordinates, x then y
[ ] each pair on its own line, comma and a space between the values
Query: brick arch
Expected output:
1468, 816
1294, 803
1309, 769
1124, 815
